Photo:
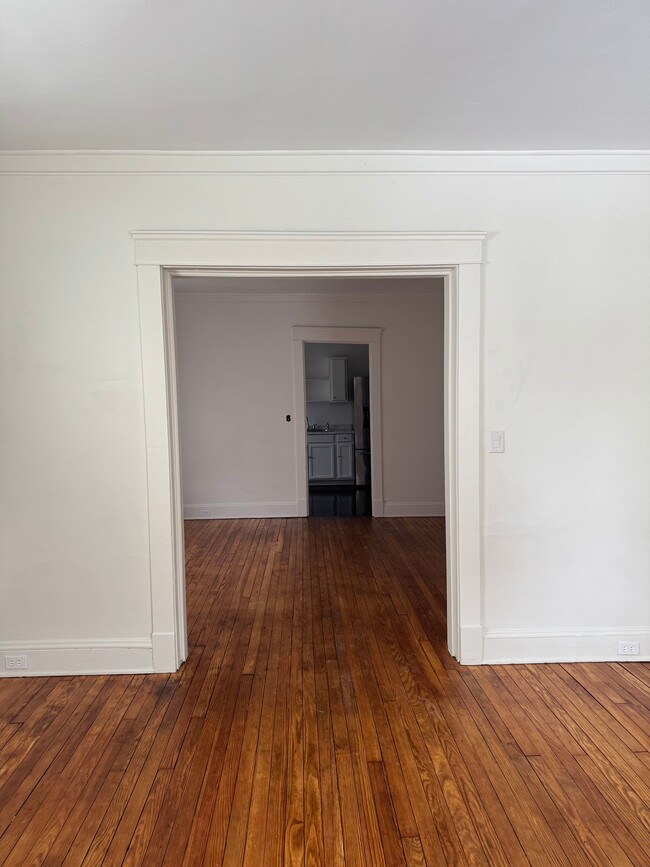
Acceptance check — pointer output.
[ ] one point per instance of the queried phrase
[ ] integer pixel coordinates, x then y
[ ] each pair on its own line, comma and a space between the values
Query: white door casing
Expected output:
455, 256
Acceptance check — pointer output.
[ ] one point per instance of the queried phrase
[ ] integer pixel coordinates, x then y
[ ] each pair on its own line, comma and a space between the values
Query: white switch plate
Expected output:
497, 441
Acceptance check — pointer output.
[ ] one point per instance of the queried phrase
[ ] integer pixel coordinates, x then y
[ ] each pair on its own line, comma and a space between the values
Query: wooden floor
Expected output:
320, 720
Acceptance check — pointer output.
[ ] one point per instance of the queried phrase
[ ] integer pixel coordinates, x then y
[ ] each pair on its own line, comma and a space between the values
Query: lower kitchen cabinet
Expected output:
321, 465
330, 457
344, 461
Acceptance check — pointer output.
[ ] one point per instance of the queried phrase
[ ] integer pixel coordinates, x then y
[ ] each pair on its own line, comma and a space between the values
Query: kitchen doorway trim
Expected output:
455, 256
370, 337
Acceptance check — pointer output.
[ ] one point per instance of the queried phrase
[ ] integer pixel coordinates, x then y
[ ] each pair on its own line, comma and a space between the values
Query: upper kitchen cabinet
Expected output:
332, 388
338, 380
317, 389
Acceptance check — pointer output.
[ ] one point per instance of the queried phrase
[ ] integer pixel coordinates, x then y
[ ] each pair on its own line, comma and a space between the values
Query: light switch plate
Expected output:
497, 441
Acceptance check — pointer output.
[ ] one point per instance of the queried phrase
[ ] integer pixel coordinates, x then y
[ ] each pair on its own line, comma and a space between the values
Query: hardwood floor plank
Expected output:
590, 831
319, 720
261, 781
387, 820
631, 675
294, 830
413, 852
235, 843
333, 849
633, 809
147, 823
34, 748
104, 812
44, 813
193, 821
82, 808
313, 808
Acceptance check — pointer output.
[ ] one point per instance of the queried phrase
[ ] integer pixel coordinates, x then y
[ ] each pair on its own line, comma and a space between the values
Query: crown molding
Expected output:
114, 162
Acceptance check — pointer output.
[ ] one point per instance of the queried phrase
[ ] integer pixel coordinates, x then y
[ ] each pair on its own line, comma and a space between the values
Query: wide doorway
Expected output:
163, 256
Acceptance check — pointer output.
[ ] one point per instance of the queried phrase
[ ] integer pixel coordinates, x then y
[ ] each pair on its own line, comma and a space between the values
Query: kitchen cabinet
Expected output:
338, 380
321, 465
330, 457
345, 461
332, 388
318, 390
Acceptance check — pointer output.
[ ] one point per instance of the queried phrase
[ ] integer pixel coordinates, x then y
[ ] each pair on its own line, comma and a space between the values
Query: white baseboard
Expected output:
85, 656
206, 511
471, 645
503, 646
394, 509
164, 651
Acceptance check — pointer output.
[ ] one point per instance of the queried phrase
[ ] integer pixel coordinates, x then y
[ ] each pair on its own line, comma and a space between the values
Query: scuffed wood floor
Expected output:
319, 720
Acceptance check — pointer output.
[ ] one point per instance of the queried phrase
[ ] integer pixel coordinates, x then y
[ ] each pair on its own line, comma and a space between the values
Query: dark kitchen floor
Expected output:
344, 501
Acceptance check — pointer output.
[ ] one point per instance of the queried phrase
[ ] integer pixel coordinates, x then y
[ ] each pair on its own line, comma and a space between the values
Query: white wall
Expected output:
566, 354
236, 388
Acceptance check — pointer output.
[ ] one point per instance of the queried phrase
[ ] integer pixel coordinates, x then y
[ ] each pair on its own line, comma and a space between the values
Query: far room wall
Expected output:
236, 389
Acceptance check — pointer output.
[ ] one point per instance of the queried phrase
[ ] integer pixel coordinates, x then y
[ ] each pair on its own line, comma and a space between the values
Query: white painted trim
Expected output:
339, 334
366, 291
507, 646
165, 649
166, 546
395, 509
451, 462
82, 656
118, 162
455, 256
178, 535
309, 254
241, 510
342, 333
465, 428
470, 639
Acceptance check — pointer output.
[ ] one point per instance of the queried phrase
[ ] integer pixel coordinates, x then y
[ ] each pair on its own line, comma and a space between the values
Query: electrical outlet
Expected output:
13, 662
628, 648
204, 513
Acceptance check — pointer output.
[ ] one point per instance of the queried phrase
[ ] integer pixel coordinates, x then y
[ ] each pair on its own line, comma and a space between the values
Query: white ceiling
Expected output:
309, 74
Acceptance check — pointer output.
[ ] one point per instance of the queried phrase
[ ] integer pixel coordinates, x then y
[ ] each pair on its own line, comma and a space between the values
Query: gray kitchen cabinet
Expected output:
330, 457
338, 380
345, 461
321, 465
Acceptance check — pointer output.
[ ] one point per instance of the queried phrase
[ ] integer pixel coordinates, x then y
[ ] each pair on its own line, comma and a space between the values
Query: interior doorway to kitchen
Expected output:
456, 257
338, 454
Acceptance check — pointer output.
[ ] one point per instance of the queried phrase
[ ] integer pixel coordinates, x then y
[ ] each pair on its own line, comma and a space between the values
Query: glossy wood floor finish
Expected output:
320, 721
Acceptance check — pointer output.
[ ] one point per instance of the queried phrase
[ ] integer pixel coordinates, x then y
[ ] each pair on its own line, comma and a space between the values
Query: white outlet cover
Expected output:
628, 648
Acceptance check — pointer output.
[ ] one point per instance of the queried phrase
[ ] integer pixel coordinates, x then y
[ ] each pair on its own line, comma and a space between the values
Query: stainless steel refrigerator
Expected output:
361, 400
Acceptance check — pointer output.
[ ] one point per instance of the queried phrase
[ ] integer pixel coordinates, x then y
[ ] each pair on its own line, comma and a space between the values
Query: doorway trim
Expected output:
455, 256
338, 334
